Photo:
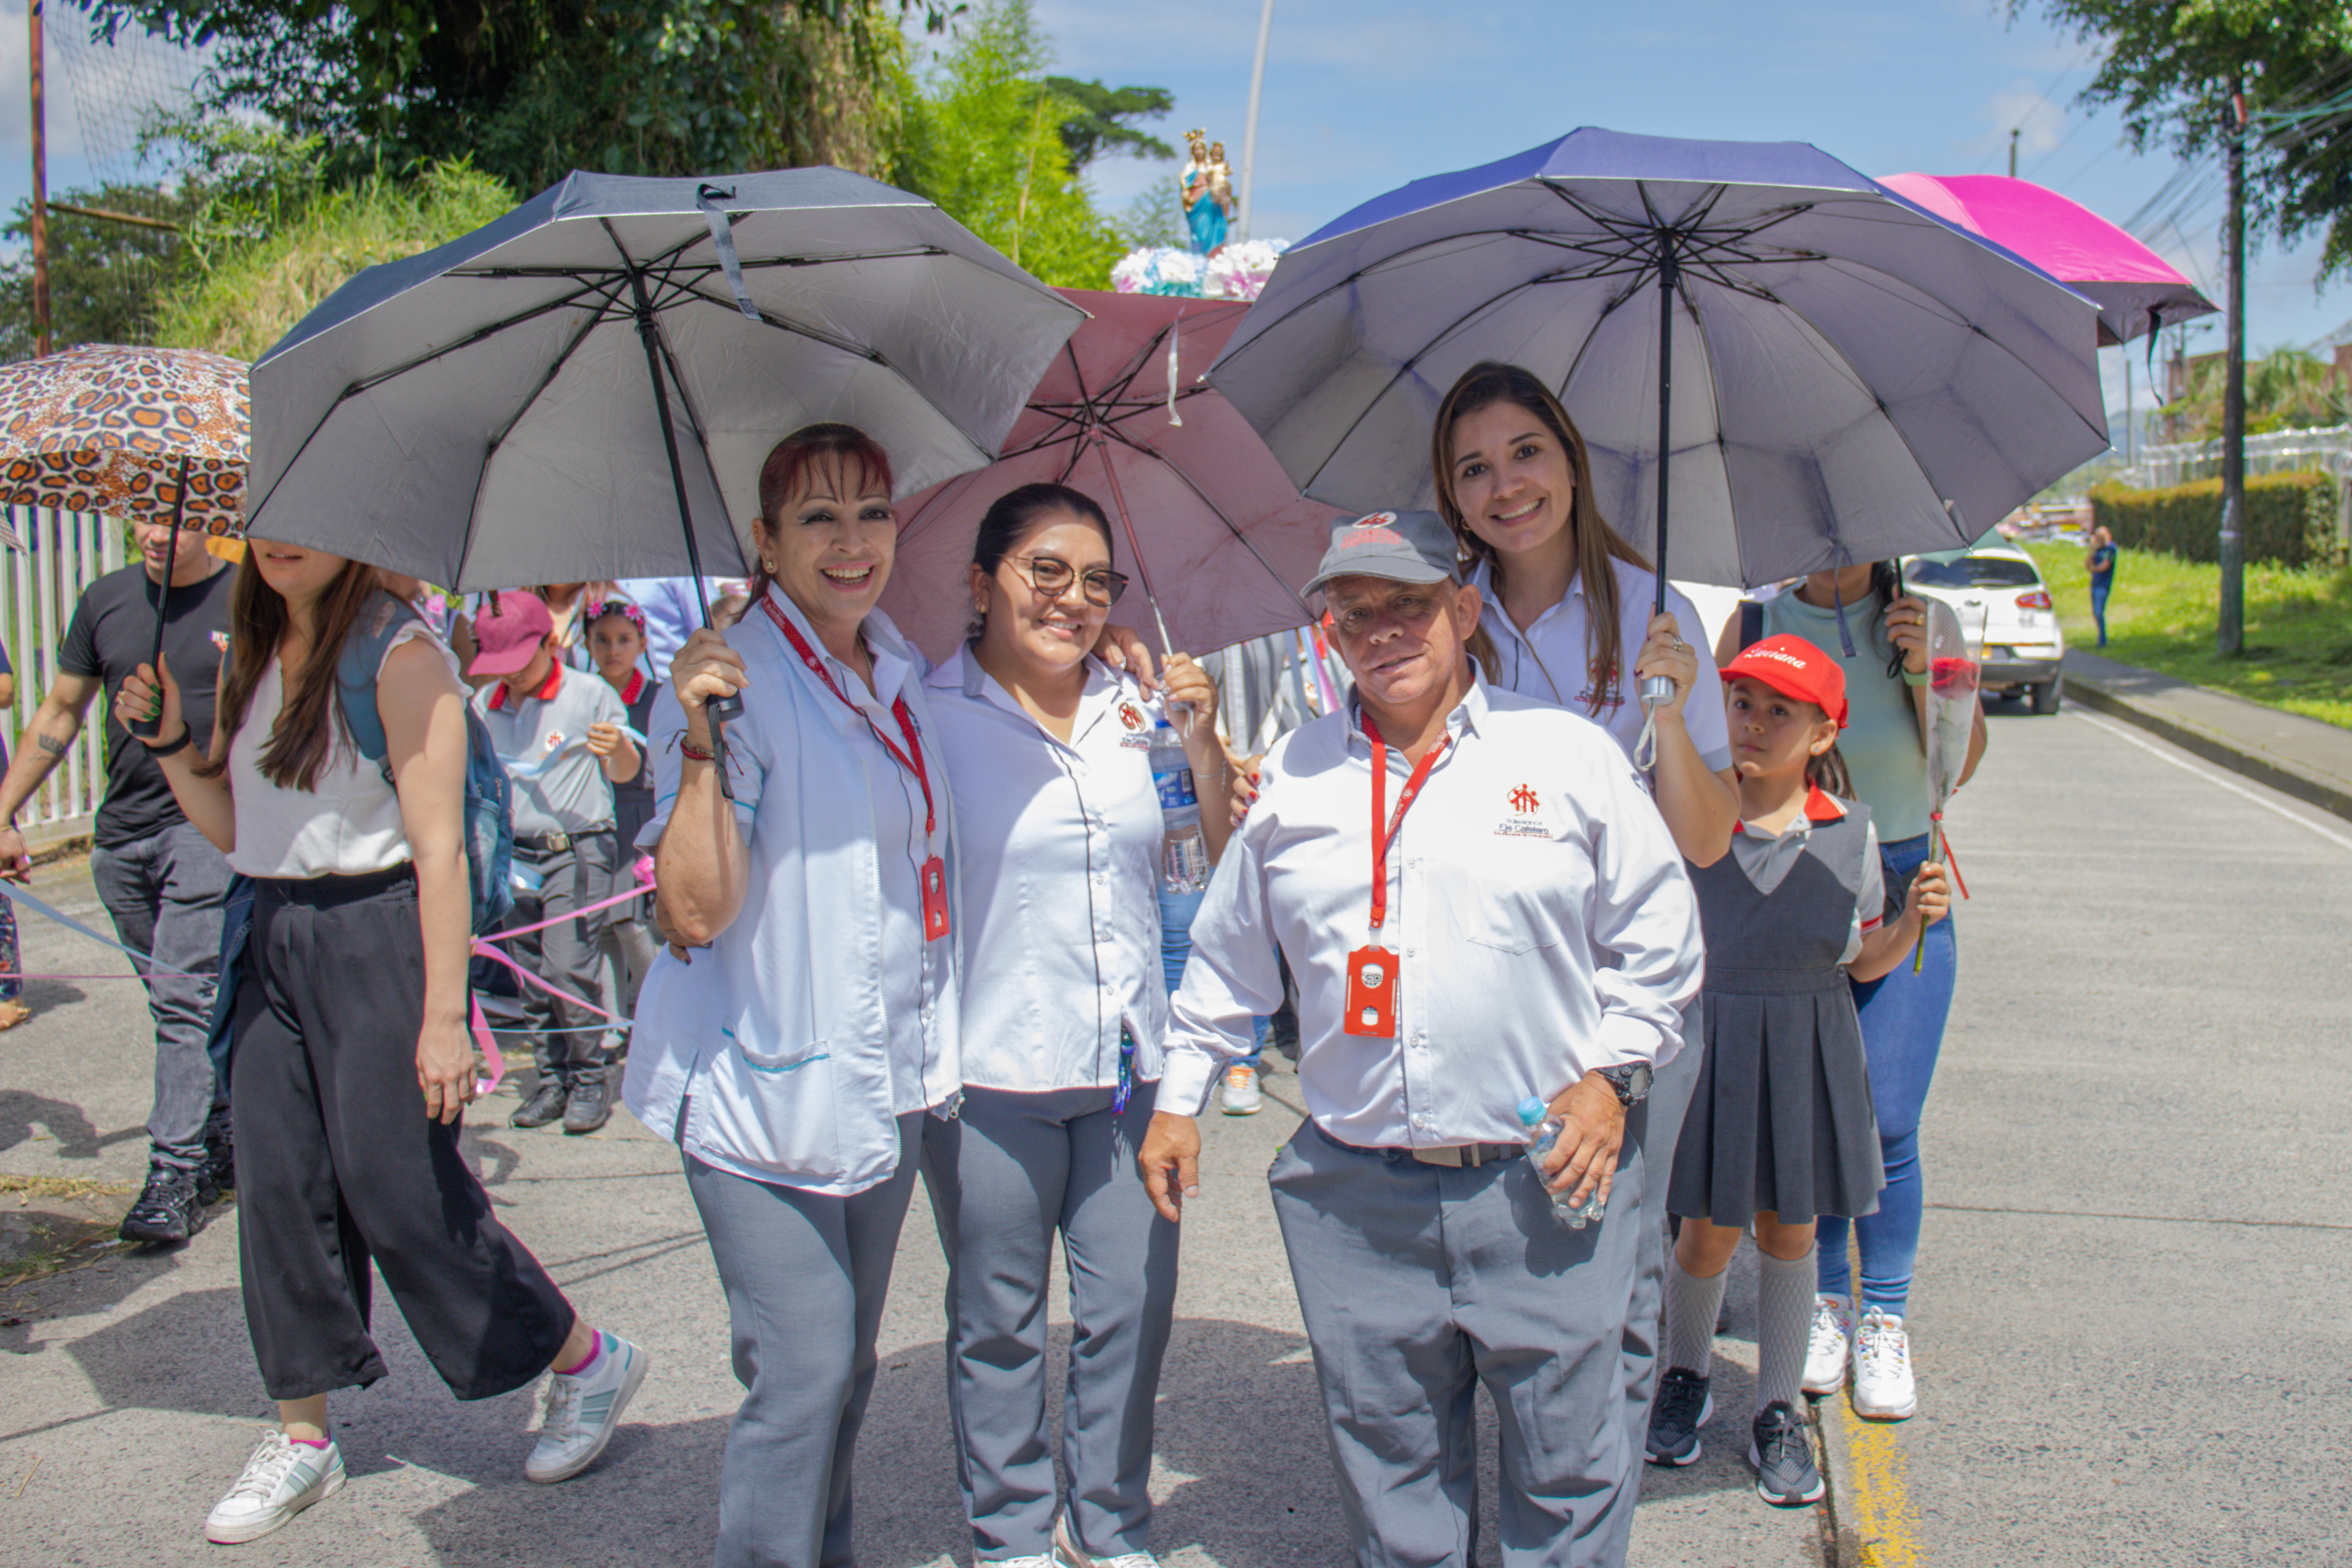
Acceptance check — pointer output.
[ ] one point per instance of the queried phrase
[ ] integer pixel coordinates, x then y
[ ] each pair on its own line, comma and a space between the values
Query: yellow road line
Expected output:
1877, 1500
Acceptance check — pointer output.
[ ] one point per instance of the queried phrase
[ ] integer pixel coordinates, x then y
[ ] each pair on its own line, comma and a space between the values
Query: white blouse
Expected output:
347, 826
1059, 856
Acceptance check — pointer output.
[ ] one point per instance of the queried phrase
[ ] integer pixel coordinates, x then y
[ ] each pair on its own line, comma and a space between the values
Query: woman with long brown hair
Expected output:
353, 998
1572, 626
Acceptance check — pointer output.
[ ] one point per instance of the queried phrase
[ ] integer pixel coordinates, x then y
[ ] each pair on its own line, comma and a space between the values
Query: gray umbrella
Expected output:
548, 397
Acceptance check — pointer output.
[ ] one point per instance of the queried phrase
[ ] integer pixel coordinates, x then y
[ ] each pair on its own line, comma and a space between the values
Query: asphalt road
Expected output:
2130, 1320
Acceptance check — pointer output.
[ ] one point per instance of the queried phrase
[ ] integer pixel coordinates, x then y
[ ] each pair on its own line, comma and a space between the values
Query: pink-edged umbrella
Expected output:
1205, 519
2137, 291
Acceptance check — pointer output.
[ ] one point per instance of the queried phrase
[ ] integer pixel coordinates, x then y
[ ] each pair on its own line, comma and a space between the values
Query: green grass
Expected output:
2161, 616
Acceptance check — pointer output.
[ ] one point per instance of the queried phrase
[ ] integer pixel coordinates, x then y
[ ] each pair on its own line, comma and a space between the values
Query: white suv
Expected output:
2004, 607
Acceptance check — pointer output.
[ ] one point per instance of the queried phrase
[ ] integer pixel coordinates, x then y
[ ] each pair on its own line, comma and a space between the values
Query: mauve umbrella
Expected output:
1207, 522
2135, 289
1840, 377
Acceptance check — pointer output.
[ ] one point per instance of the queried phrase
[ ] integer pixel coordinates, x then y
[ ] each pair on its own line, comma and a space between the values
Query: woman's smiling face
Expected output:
1512, 478
833, 543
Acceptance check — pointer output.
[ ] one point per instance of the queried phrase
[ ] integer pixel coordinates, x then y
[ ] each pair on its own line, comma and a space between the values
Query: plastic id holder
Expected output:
1371, 993
935, 899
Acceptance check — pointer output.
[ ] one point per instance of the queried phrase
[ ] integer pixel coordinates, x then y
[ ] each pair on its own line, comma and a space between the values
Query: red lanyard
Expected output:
911, 759
1380, 840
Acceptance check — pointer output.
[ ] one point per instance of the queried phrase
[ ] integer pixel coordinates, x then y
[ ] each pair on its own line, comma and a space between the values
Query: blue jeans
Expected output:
1902, 1017
1176, 912
2099, 589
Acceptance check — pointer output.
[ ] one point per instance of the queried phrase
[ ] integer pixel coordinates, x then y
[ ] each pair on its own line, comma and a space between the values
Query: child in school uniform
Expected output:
1780, 1130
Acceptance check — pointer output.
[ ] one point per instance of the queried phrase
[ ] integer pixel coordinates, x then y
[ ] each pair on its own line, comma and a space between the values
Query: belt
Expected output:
1471, 1155
544, 843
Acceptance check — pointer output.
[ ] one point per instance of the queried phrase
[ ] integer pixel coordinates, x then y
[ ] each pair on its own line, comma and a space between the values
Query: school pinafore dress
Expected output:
1780, 1121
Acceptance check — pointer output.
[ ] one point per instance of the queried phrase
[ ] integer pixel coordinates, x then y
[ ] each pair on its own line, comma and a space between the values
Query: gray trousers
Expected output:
1417, 1283
565, 1042
1653, 1129
164, 893
805, 1275
1008, 1173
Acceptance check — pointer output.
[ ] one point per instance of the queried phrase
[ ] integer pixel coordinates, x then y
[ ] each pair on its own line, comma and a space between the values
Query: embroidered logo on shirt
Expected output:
554, 739
1131, 715
1524, 821
220, 642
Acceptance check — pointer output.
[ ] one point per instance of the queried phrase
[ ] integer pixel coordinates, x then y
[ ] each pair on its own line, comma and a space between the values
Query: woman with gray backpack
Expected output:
368, 863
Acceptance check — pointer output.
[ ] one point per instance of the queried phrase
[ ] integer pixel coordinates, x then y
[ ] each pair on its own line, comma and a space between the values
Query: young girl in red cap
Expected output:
1780, 1130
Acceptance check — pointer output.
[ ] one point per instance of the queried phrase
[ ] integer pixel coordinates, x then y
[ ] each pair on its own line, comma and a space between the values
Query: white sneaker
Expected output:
1884, 1388
1241, 1091
1831, 1345
281, 1480
584, 1410
1068, 1556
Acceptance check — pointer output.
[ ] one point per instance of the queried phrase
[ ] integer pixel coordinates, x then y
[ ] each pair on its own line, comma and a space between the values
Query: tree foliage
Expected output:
2286, 389
983, 138
1103, 123
2169, 67
103, 275
531, 89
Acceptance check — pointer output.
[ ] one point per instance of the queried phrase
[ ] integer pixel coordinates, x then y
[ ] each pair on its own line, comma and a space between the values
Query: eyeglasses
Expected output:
1052, 578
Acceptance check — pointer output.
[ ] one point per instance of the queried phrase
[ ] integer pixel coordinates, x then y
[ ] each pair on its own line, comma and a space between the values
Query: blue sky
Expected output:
1362, 95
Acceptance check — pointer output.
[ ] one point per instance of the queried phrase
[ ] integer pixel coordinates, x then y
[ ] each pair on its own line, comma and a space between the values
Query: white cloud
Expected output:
2039, 117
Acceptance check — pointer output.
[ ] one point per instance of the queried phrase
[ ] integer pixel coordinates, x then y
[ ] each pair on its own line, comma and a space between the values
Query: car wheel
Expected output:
2048, 695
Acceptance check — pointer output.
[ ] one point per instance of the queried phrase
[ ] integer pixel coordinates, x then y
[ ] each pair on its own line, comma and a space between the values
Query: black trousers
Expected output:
565, 1042
339, 1165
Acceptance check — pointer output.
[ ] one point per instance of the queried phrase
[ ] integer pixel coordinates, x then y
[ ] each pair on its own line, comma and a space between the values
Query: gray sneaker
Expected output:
1683, 1406
1785, 1475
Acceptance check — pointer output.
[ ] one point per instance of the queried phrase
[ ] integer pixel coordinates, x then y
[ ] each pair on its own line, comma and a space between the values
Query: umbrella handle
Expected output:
148, 728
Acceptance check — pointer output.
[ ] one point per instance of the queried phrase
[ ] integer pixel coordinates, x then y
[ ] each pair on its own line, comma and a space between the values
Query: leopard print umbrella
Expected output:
113, 429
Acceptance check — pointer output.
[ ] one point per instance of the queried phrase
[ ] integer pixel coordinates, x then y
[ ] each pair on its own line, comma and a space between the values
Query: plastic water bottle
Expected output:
1184, 849
1543, 1132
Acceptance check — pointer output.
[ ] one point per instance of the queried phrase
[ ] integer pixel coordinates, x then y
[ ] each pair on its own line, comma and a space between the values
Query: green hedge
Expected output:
2290, 518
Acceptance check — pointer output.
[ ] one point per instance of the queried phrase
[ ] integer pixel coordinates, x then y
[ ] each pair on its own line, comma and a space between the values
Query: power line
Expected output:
2043, 96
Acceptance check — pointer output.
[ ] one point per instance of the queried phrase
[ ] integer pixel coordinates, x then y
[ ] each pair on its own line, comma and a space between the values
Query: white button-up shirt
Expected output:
1060, 857
1550, 660
784, 1050
1530, 852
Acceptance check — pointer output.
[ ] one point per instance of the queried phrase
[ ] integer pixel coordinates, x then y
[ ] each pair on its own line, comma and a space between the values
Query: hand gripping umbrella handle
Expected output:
149, 726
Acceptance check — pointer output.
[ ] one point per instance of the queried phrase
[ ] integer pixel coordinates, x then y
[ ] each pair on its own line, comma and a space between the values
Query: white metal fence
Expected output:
2160, 466
64, 553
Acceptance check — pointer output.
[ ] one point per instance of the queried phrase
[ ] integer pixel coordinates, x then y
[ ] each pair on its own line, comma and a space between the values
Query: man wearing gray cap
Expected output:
1481, 906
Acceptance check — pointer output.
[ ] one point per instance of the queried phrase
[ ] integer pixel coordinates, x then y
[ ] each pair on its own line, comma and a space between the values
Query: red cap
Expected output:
508, 636
1793, 668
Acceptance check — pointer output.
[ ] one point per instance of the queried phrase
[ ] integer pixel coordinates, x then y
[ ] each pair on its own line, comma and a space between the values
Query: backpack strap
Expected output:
1751, 623
380, 620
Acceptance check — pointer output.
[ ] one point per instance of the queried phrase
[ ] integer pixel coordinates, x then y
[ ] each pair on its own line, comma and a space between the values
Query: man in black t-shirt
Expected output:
160, 878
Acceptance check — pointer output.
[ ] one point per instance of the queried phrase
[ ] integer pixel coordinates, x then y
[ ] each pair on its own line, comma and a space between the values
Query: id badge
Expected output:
935, 899
1371, 993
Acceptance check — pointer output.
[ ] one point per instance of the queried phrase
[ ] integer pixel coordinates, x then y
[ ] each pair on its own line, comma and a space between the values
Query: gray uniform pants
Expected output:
164, 893
1418, 1282
565, 1042
805, 1275
1008, 1171
1653, 1129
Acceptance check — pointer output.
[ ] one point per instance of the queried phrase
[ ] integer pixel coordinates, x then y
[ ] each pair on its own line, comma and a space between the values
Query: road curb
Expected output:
1868, 1519
2311, 787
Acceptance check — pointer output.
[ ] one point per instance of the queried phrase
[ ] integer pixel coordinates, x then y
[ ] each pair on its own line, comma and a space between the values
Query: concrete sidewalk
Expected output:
2301, 757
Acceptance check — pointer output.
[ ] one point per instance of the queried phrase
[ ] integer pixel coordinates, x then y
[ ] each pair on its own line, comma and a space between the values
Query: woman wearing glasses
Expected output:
1058, 828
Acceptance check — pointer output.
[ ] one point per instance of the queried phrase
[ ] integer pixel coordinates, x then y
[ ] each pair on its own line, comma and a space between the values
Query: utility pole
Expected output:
2232, 628
1249, 132
40, 235
2013, 149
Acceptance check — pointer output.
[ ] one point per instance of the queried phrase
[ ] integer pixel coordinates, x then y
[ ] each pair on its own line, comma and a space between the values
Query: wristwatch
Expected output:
1630, 1080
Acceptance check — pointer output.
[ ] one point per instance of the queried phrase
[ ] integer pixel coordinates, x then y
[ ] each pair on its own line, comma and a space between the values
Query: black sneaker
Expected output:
587, 1108
220, 1163
171, 1209
1785, 1475
1683, 1406
545, 1105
